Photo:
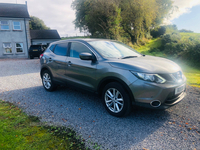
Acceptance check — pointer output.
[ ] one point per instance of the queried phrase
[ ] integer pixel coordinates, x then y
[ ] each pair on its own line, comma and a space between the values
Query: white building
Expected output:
14, 31
15, 36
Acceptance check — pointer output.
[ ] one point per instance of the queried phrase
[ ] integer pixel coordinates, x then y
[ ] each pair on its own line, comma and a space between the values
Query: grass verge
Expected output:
192, 74
19, 131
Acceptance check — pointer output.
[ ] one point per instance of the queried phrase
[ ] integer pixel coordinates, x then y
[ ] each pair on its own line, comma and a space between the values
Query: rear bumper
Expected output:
35, 54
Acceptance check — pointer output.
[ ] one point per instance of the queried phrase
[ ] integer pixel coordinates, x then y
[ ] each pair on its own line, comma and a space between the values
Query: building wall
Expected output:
28, 33
43, 41
13, 37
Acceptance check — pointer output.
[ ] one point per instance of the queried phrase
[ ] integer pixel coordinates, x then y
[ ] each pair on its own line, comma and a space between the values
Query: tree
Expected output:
100, 17
115, 18
165, 9
139, 16
37, 24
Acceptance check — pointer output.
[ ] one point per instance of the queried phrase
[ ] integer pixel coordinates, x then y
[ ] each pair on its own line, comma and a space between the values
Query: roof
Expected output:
14, 10
44, 34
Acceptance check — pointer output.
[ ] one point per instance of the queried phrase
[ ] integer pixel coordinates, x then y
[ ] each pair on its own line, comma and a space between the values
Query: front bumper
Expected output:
146, 92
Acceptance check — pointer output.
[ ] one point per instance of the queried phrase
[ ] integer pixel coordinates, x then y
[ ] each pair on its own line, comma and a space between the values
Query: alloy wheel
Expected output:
47, 81
114, 100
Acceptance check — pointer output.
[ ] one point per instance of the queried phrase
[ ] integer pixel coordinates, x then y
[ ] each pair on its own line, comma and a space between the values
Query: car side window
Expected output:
51, 47
77, 48
61, 49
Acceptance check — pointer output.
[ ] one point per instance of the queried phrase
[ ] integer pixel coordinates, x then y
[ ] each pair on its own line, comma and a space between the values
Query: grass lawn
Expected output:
154, 43
192, 74
18, 131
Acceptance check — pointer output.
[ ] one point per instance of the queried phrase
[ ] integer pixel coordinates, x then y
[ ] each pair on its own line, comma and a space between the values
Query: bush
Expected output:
157, 32
187, 49
192, 53
174, 37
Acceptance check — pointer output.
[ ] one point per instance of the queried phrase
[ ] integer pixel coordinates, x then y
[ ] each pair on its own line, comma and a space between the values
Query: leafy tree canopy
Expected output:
37, 24
120, 18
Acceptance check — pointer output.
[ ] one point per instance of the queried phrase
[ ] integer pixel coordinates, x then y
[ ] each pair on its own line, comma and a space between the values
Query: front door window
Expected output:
77, 48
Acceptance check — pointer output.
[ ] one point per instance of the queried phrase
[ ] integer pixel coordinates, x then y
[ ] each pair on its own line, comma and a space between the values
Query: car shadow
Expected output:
85, 113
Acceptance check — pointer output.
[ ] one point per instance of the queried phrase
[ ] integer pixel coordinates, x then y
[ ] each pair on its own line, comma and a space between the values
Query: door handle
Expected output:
69, 63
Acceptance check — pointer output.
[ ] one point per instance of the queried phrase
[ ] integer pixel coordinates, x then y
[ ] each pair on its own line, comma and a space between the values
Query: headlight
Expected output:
150, 77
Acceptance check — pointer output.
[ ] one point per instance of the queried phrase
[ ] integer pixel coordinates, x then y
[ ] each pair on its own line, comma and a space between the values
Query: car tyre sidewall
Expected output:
30, 56
127, 101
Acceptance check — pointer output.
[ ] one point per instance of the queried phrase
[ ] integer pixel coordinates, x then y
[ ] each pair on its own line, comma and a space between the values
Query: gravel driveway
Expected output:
174, 128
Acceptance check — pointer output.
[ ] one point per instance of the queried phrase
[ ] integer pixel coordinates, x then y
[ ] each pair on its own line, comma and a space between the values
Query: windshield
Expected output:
112, 49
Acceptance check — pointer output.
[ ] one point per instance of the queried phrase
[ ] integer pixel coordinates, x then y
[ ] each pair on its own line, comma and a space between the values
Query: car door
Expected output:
80, 72
58, 62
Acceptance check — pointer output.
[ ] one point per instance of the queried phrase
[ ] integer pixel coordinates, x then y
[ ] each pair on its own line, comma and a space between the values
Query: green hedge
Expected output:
177, 47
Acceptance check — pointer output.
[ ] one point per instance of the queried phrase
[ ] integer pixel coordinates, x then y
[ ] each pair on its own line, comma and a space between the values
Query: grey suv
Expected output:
121, 75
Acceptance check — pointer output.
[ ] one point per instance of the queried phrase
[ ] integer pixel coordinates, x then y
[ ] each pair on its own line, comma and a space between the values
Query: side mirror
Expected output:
86, 56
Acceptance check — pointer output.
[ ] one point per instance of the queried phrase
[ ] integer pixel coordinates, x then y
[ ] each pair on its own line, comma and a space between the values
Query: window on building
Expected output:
16, 25
7, 48
4, 25
19, 48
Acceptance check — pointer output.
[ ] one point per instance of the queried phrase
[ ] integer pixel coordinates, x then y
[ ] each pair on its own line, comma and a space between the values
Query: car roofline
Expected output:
81, 40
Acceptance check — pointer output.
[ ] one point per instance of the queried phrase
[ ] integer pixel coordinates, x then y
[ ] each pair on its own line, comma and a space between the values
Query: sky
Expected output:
58, 14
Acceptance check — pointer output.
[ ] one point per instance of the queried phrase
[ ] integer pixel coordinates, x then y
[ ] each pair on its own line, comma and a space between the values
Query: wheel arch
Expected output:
43, 69
107, 80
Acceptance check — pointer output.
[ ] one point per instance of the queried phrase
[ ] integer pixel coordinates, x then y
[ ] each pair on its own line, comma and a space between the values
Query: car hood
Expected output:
146, 64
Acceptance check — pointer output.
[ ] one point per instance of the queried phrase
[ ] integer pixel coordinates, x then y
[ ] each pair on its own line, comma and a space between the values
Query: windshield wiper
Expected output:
128, 57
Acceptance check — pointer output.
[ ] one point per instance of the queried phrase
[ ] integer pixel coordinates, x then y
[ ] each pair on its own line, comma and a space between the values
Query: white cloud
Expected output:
184, 6
58, 14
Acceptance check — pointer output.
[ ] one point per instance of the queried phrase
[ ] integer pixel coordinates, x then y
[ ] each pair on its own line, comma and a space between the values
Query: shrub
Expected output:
192, 53
186, 49
174, 37
157, 32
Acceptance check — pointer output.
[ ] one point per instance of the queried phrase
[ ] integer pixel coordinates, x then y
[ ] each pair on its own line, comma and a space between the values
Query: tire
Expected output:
31, 57
47, 81
116, 100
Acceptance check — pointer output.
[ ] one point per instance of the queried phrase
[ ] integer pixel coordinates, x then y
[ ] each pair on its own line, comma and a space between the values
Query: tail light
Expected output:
41, 56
